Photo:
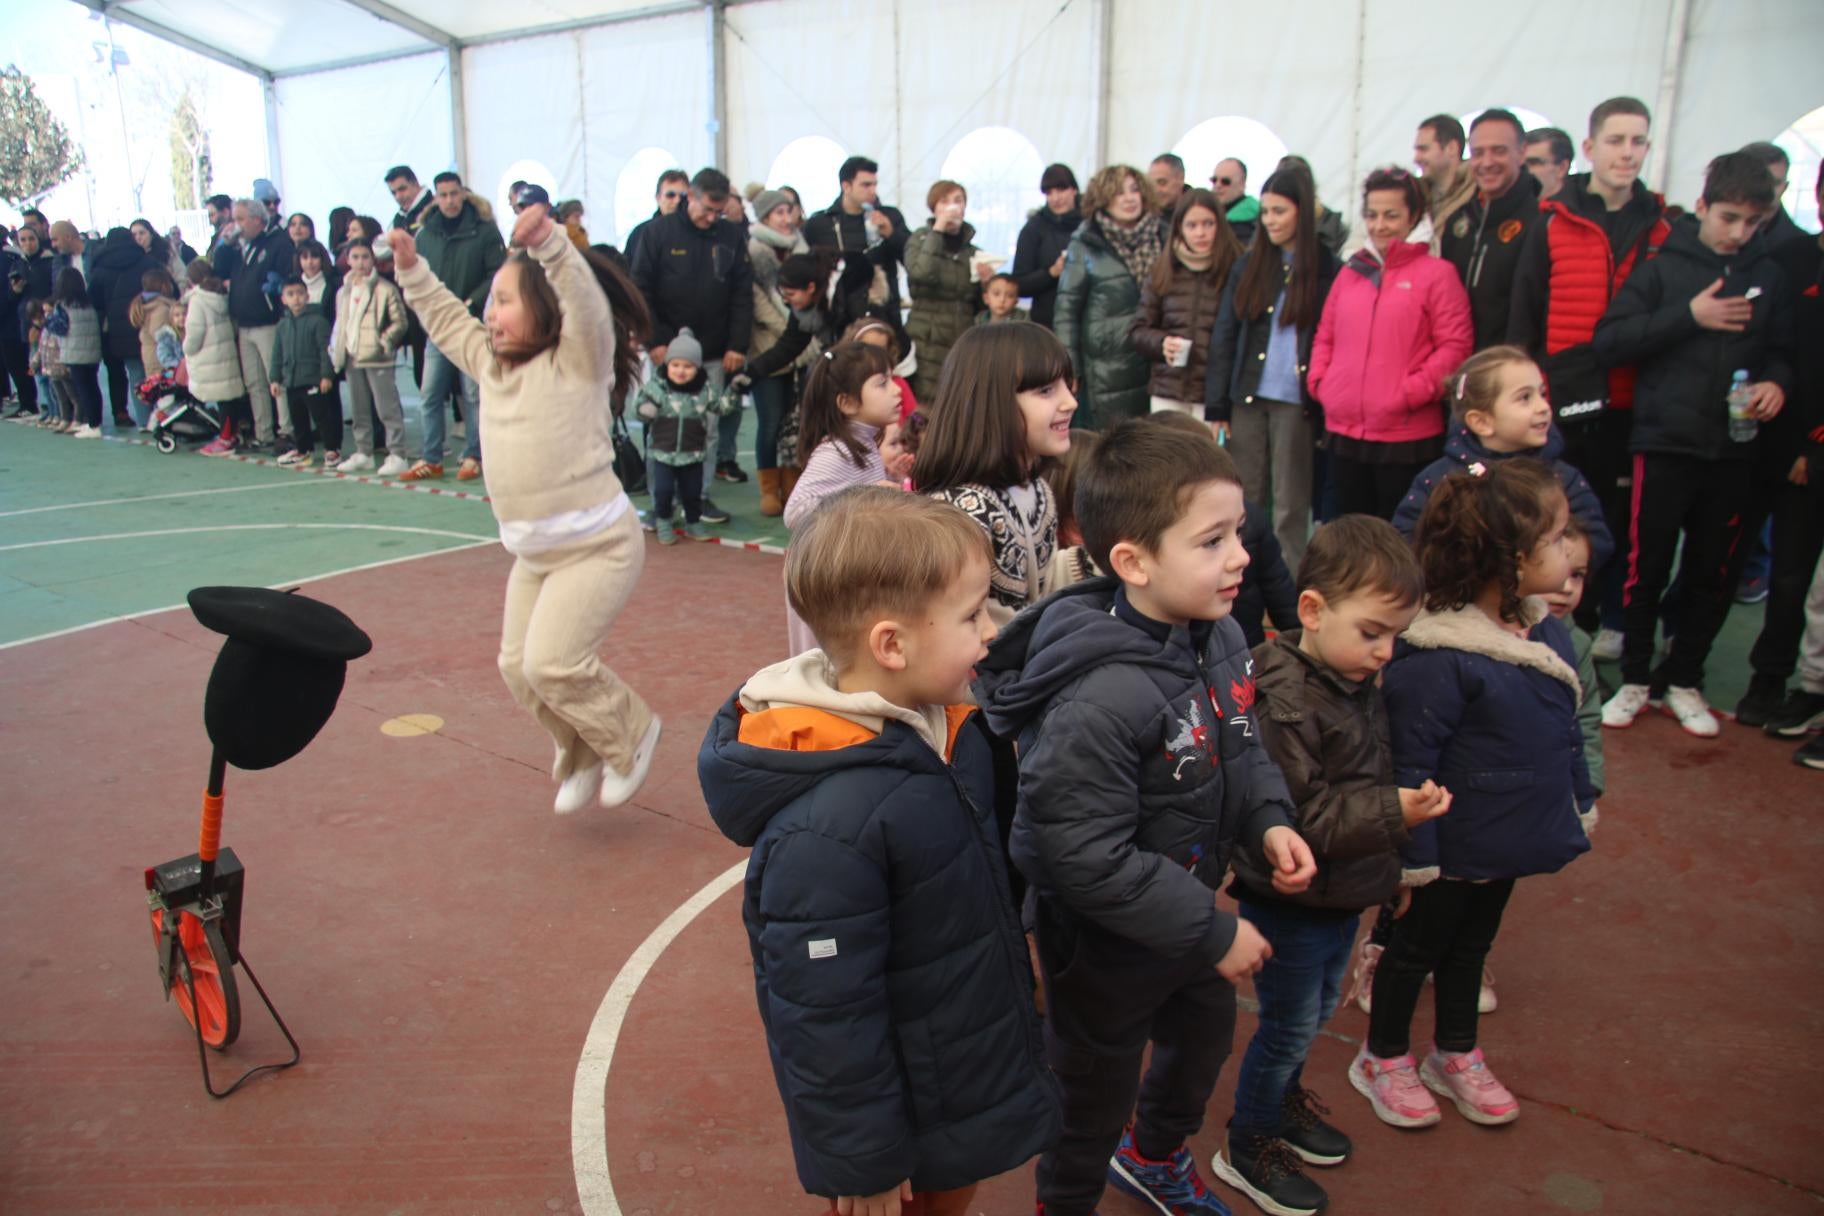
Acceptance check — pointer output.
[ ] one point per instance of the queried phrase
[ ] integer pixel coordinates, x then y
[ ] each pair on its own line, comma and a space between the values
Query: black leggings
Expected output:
1446, 933
1371, 489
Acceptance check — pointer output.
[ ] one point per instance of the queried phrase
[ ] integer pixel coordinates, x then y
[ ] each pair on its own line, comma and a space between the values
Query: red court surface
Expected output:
441, 943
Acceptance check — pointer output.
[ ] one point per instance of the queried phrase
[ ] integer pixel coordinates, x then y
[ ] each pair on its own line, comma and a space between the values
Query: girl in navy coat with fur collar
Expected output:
1482, 696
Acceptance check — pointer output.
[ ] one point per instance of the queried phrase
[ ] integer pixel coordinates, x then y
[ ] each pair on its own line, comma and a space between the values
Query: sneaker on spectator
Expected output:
1464, 1078
331, 459
1607, 646
87, 432
730, 471
1302, 1127
1267, 1171
1802, 713
1751, 591
667, 534
1811, 755
647, 522
469, 470
1691, 710
1361, 981
1625, 706
1765, 695
424, 470
1393, 1088
294, 458
711, 513
356, 463
221, 445
1171, 1185
392, 466
697, 531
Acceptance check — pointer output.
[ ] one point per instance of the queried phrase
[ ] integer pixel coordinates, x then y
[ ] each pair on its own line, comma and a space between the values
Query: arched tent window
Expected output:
531, 172
809, 165
1000, 168
1804, 143
634, 188
1253, 143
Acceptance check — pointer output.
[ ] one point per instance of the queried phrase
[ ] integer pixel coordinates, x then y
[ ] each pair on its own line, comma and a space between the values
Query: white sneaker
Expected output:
356, 464
577, 789
293, 458
617, 789
1691, 710
392, 466
1625, 706
87, 432
1607, 646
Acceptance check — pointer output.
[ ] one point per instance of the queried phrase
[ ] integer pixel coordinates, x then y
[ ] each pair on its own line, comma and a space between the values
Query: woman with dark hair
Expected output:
813, 324
321, 278
366, 228
562, 335
944, 279
339, 218
300, 228
772, 241
1179, 303
1255, 392
114, 285
1109, 257
1395, 324
155, 245
1038, 257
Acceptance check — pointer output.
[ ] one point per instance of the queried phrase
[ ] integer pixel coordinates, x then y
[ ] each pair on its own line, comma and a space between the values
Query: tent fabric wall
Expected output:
340, 131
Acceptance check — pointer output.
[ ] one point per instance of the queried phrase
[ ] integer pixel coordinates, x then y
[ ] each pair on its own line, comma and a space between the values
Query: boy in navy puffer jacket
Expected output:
1140, 772
891, 972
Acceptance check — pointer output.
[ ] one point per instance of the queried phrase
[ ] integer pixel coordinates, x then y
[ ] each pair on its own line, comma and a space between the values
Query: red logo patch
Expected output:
1243, 693
1811, 292
1510, 230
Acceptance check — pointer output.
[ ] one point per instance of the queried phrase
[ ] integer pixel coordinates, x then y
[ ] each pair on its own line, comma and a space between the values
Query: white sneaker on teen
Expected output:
87, 432
1691, 710
1607, 646
1625, 706
577, 789
617, 789
392, 466
355, 464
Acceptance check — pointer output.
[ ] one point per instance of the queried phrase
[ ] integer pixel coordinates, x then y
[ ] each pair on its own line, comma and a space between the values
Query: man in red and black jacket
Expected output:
1596, 229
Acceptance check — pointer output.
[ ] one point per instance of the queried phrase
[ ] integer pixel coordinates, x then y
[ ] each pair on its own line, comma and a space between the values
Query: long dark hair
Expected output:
838, 372
631, 319
69, 290
1476, 530
338, 225
159, 249
977, 434
1223, 252
1262, 278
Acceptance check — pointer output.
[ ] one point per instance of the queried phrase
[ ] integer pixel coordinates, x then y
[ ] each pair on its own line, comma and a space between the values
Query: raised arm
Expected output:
451, 327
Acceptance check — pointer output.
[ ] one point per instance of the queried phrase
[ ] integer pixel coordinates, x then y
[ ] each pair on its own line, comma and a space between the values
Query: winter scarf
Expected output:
1198, 262
1138, 245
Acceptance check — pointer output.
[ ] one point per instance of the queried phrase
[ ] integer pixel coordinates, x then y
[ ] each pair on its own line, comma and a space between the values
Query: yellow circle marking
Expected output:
410, 726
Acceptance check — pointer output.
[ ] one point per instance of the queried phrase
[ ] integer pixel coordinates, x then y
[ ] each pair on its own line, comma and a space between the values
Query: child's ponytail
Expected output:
1476, 530
838, 372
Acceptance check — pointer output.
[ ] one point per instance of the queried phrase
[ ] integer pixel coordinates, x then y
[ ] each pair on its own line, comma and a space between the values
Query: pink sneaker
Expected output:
1393, 1088
217, 446
1463, 1077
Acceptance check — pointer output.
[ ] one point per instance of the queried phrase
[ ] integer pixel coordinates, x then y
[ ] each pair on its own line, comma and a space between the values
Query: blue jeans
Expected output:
441, 382
686, 481
47, 396
1298, 990
138, 410
772, 396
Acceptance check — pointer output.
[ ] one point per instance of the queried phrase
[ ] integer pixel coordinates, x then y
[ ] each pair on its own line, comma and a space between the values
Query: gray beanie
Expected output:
766, 200
685, 346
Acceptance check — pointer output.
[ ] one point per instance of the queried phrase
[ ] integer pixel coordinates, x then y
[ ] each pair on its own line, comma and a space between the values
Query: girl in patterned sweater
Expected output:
1002, 413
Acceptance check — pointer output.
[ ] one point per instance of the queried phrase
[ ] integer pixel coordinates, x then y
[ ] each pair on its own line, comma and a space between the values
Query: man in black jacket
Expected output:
1038, 258
1484, 239
254, 260
870, 235
673, 185
1707, 307
414, 201
692, 267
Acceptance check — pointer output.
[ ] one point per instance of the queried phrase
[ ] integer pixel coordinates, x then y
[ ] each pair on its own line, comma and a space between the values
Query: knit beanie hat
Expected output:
766, 200
685, 346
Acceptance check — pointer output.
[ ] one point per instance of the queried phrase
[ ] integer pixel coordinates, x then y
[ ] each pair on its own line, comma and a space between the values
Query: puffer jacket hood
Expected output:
889, 966
210, 350
1140, 767
1464, 451
1331, 740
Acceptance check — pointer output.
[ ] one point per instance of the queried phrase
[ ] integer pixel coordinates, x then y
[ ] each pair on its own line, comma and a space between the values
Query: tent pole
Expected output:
1678, 28
1102, 26
459, 113
718, 84
274, 160
1355, 111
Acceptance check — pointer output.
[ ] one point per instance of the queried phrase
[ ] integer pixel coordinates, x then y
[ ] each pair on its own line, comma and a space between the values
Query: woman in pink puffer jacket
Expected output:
1395, 325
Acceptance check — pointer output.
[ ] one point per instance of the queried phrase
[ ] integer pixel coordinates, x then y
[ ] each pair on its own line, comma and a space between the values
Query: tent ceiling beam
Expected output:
354, 61
405, 21
671, 9
113, 10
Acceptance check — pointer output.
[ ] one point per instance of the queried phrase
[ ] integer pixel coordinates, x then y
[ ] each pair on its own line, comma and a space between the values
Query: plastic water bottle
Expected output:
870, 232
1742, 426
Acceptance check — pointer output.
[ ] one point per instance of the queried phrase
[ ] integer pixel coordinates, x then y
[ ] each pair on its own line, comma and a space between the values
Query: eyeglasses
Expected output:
670, 195
1222, 181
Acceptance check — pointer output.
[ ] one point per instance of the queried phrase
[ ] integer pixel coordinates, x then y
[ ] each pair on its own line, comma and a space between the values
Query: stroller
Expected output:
177, 416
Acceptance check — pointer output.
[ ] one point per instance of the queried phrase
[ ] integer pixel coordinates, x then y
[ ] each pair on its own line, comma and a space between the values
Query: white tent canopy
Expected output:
592, 97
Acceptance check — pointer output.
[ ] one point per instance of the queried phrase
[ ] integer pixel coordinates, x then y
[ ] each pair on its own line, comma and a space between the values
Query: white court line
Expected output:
589, 1095
83, 540
278, 586
287, 484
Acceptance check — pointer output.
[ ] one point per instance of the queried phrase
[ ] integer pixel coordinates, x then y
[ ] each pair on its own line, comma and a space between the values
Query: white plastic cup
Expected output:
1183, 357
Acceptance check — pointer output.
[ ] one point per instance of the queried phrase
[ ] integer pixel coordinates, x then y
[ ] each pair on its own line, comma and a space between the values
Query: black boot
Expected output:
1265, 1170
1765, 695
1305, 1132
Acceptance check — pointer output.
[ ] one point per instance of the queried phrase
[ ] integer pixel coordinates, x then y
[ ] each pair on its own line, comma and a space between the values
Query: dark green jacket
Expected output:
1097, 302
940, 272
463, 253
300, 350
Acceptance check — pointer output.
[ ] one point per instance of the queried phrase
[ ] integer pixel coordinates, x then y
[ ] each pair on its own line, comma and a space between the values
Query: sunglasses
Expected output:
1222, 181
672, 194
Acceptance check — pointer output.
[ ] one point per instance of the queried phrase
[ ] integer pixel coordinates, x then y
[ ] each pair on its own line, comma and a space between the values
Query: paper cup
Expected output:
1182, 358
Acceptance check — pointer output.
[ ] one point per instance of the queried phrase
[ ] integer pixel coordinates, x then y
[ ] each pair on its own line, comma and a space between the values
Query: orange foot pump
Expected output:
275, 684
